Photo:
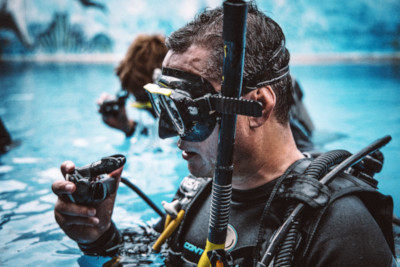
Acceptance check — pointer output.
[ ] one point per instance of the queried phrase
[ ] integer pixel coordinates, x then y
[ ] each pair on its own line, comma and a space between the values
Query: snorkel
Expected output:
188, 106
234, 36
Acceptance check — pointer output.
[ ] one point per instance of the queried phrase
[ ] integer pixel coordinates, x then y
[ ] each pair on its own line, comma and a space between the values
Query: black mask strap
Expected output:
230, 105
277, 74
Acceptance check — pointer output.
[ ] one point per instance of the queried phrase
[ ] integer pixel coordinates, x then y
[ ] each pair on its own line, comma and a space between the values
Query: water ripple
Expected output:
9, 186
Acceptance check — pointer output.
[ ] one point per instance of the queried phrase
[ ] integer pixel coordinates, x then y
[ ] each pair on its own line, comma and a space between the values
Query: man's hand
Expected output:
118, 118
83, 224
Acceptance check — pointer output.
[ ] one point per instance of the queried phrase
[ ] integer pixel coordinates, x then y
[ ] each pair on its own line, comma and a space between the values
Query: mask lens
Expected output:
155, 100
179, 101
174, 114
156, 93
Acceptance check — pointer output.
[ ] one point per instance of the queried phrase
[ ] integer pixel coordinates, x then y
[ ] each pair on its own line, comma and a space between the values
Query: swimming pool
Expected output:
49, 108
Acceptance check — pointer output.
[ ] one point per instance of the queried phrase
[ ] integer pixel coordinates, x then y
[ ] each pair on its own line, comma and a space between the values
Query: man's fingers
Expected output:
103, 97
71, 209
117, 173
67, 221
67, 167
63, 187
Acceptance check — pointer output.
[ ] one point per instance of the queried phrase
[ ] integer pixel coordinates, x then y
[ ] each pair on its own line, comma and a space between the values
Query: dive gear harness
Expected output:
300, 184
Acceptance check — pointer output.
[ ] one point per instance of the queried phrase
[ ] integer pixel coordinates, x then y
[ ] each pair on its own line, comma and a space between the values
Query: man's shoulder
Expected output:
348, 208
355, 203
348, 234
346, 183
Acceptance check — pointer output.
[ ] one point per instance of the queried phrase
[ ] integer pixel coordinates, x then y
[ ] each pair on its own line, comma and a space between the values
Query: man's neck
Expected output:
271, 157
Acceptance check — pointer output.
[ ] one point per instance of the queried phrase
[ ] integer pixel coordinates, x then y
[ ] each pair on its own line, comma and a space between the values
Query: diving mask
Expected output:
189, 106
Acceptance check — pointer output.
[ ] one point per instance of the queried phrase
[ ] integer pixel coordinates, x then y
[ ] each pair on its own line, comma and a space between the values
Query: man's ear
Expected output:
266, 96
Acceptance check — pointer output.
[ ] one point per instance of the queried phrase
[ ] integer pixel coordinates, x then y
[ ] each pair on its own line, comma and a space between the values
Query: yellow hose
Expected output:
167, 221
168, 231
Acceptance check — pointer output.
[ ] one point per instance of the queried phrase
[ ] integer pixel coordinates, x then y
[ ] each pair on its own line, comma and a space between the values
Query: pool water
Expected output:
50, 112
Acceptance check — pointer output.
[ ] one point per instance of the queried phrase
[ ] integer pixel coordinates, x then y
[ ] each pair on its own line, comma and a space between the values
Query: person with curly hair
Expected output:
139, 67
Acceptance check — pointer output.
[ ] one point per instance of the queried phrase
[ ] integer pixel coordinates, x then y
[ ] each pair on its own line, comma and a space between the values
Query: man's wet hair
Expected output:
146, 53
265, 51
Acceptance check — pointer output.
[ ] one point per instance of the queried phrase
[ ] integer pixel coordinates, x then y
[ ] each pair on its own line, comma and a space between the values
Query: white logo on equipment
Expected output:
231, 238
193, 110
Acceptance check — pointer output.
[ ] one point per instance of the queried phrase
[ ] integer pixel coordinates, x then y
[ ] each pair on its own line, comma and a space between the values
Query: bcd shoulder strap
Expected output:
319, 197
380, 206
190, 191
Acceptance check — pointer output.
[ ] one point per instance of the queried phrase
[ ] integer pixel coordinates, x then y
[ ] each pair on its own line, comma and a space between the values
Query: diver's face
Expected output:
201, 156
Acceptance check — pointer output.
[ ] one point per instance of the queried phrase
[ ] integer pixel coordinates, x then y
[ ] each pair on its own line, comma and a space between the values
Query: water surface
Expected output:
50, 110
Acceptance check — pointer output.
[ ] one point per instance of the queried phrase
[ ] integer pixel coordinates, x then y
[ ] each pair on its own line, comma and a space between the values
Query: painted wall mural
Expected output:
30, 27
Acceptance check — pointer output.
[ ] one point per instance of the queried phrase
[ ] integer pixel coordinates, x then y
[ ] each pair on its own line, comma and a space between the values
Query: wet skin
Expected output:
83, 224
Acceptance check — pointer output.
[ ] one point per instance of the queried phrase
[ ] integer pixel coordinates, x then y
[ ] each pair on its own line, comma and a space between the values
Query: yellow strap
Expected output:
168, 231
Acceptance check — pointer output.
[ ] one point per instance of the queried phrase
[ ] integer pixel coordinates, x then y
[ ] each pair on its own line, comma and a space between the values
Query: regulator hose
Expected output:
142, 195
317, 169
297, 211
324, 162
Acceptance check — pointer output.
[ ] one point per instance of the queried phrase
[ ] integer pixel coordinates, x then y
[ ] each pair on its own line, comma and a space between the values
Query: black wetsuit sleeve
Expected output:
106, 245
348, 236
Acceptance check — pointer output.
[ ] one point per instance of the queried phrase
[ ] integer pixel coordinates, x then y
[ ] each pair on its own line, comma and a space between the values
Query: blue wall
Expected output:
101, 26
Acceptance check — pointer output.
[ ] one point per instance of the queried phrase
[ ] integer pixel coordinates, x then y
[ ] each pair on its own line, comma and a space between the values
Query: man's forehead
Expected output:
193, 60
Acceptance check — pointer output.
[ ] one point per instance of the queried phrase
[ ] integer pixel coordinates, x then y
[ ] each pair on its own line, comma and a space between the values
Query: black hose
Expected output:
142, 195
320, 166
284, 255
317, 169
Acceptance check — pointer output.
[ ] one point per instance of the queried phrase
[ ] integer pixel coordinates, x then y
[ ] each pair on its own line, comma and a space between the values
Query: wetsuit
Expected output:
347, 234
342, 233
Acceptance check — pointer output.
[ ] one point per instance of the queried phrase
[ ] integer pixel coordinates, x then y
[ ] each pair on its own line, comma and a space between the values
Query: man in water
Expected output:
340, 233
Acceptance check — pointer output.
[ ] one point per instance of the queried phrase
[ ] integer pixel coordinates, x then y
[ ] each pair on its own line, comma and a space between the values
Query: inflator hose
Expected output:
142, 195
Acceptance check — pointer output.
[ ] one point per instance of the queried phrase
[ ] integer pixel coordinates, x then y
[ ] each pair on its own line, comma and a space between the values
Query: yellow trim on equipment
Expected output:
155, 89
114, 262
141, 105
204, 260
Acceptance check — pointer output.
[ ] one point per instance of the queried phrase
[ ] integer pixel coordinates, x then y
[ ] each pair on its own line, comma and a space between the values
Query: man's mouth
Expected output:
187, 155
187, 152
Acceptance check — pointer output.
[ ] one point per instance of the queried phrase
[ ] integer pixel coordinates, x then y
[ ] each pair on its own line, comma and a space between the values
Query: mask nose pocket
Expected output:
165, 127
